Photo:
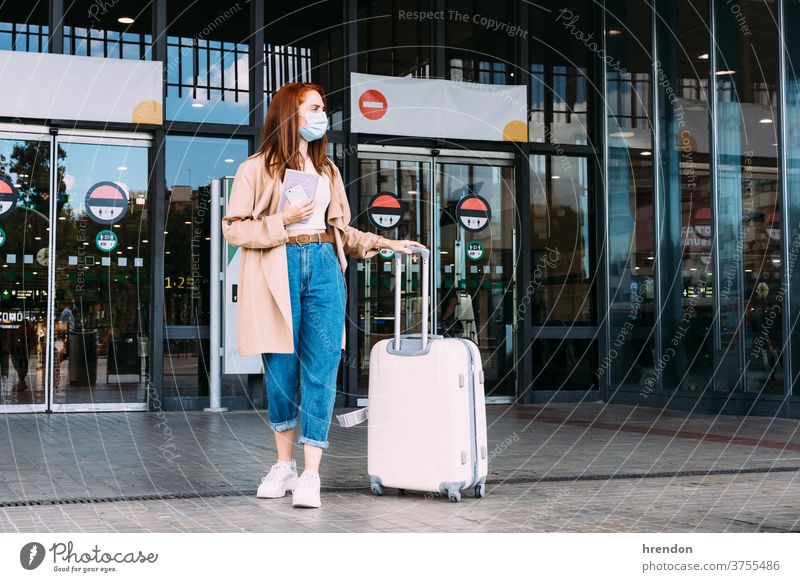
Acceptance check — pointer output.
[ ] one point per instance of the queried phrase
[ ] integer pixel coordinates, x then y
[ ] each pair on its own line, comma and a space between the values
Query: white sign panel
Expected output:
233, 362
438, 108
48, 86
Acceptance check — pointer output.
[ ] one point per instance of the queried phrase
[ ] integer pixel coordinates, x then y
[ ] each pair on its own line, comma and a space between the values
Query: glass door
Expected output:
24, 236
438, 196
101, 285
74, 293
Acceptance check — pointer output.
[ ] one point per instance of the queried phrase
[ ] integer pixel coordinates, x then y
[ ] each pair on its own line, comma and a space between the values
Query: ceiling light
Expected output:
622, 134
703, 57
198, 105
726, 72
647, 153
614, 32
765, 120
125, 20
121, 168
228, 160
556, 177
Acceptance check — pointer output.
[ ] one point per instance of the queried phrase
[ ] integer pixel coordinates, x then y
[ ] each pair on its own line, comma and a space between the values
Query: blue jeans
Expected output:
305, 380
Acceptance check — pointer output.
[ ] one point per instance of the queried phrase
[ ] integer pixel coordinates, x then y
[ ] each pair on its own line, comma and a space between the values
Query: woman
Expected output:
291, 292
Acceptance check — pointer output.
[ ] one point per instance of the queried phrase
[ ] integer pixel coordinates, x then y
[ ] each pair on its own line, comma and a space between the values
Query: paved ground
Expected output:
564, 467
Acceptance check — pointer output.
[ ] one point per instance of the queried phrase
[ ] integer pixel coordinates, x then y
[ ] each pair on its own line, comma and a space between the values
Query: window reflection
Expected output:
191, 164
748, 199
207, 63
299, 49
394, 46
560, 242
23, 27
631, 243
118, 30
473, 51
560, 72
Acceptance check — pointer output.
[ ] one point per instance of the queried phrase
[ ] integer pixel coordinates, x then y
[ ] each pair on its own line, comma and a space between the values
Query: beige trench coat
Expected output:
264, 314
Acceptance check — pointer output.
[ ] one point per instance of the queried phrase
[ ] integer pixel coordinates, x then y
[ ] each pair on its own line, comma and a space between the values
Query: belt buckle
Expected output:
307, 236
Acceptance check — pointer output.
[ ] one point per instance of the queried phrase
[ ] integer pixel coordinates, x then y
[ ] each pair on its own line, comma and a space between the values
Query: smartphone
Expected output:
296, 195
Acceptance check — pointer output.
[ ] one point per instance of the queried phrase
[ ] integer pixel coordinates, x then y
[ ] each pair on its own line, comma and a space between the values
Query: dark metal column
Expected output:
55, 43
350, 361
156, 188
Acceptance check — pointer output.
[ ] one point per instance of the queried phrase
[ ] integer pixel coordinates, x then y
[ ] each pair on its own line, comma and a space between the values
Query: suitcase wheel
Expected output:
377, 489
454, 496
480, 490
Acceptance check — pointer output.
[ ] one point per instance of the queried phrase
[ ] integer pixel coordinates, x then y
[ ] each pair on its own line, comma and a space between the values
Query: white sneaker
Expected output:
306, 494
280, 479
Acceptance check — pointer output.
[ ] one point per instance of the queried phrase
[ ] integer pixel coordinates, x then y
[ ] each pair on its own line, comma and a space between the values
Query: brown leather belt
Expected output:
322, 237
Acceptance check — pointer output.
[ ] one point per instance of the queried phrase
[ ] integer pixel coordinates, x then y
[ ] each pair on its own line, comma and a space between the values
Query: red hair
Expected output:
280, 139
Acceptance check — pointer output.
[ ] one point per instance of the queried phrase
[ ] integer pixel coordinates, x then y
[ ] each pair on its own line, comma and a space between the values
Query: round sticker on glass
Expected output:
2, 237
386, 253
473, 212
106, 202
106, 240
8, 196
384, 211
475, 250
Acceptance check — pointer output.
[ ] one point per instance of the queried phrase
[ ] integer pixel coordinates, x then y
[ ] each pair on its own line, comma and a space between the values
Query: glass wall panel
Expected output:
394, 39
561, 232
791, 16
686, 359
119, 29
102, 284
479, 41
629, 187
564, 364
560, 71
748, 198
24, 239
191, 164
298, 48
207, 62
23, 26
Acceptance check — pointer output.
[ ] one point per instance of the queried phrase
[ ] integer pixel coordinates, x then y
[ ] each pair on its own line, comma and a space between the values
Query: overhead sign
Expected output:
384, 211
8, 196
52, 86
106, 202
438, 108
473, 212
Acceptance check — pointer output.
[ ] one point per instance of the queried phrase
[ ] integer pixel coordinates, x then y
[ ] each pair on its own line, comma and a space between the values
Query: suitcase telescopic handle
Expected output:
398, 258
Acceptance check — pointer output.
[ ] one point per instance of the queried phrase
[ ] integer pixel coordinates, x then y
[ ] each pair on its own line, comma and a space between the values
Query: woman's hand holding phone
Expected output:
292, 213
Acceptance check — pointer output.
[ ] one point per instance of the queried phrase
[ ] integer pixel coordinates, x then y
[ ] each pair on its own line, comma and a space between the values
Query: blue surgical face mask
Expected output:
316, 124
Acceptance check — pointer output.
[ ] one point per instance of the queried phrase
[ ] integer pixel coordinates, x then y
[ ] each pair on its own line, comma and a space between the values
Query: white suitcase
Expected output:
427, 415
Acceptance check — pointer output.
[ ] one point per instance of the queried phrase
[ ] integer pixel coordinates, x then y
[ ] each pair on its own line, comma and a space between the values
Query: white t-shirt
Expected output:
317, 220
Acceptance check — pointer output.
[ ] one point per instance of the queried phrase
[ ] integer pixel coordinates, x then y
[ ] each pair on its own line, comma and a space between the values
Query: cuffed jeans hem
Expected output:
282, 426
307, 441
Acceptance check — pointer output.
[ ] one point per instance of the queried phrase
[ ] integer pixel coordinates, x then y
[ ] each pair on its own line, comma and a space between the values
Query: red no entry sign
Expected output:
372, 104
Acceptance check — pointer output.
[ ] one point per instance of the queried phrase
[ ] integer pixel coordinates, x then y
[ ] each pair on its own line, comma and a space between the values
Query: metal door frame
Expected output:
436, 157
18, 131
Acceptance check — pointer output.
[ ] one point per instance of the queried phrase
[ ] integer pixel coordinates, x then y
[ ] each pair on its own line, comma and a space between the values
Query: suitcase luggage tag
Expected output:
352, 418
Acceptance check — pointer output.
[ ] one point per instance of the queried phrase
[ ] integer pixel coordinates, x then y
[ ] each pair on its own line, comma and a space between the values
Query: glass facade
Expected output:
644, 241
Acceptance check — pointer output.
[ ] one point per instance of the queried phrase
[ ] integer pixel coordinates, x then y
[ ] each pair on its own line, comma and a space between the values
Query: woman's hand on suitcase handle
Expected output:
400, 245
